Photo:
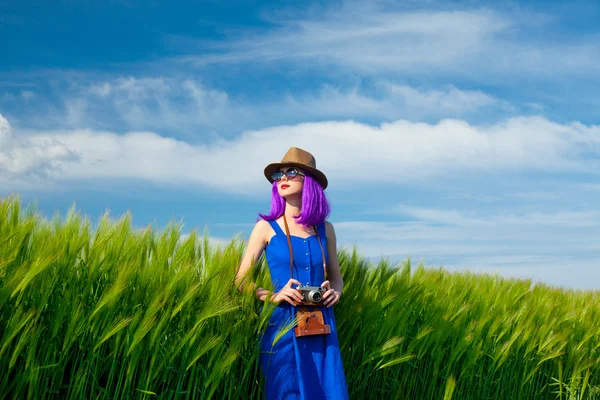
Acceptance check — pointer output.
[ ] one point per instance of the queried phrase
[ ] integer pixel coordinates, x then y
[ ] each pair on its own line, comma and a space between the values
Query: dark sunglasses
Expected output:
290, 174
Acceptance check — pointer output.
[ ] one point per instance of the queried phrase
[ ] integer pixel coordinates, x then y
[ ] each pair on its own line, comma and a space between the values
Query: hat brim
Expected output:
315, 173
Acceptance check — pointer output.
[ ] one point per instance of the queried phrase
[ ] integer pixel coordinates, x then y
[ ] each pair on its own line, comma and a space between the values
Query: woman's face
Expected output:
287, 187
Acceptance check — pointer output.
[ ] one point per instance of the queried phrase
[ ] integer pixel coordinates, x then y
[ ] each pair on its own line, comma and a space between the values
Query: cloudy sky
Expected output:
461, 134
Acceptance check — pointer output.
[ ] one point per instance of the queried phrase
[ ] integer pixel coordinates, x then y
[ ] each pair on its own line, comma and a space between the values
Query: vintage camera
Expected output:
312, 294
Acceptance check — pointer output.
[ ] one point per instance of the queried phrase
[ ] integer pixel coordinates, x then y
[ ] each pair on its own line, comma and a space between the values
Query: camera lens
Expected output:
315, 296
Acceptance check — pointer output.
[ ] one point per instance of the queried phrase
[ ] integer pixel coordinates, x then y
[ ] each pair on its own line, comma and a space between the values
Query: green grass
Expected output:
107, 311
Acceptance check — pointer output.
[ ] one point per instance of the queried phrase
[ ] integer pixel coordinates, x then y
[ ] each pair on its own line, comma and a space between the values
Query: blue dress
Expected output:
307, 367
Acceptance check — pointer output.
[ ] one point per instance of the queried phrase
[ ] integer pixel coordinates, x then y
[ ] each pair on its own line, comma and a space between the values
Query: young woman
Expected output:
298, 365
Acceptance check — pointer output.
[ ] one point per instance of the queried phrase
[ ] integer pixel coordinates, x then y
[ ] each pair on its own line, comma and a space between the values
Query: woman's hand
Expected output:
331, 296
287, 293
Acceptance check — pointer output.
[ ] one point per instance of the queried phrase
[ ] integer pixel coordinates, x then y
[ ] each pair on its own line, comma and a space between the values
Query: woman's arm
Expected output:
256, 245
334, 275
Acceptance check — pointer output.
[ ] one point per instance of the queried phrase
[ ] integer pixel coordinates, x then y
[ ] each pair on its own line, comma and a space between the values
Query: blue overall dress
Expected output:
306, 367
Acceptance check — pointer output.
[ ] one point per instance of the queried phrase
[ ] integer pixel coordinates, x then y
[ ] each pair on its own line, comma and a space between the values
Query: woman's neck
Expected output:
292, 208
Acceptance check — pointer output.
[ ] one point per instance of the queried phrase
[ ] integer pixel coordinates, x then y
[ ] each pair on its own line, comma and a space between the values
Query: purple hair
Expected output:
315, 206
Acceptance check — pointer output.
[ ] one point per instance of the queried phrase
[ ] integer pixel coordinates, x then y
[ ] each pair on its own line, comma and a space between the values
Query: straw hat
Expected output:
302, 159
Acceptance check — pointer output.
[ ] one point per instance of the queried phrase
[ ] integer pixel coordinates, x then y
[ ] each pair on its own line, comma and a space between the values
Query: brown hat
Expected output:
296, 157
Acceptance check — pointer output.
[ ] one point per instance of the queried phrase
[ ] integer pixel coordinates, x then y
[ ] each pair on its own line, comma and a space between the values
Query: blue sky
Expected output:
463, 134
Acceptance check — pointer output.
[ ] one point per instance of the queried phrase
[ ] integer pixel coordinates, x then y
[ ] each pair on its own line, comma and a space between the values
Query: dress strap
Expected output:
276, 227
321, 229
287, 234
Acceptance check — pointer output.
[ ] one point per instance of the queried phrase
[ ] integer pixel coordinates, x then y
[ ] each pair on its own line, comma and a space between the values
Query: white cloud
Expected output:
390, 101
452, 100
189, 109
566, 272
27, 95
570, 219
76, 112
370, 39
164, 102
417, 151
536, 195
23, 159
212, 240
5, 133
161, 103
100, 89
559, 248
375, 238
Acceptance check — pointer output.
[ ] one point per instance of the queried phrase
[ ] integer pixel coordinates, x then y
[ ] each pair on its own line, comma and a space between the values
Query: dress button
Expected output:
306, 267
306, 253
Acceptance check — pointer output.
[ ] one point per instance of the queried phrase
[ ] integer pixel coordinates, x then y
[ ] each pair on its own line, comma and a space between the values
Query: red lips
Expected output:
284, 186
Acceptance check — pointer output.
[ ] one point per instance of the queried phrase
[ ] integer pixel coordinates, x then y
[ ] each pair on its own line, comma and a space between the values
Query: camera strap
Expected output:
287, 233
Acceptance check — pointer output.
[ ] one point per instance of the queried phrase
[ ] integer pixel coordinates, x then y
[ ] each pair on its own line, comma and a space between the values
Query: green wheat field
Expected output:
101, 310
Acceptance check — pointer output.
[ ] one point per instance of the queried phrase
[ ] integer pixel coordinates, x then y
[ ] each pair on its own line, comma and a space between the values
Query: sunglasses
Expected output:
290, 174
